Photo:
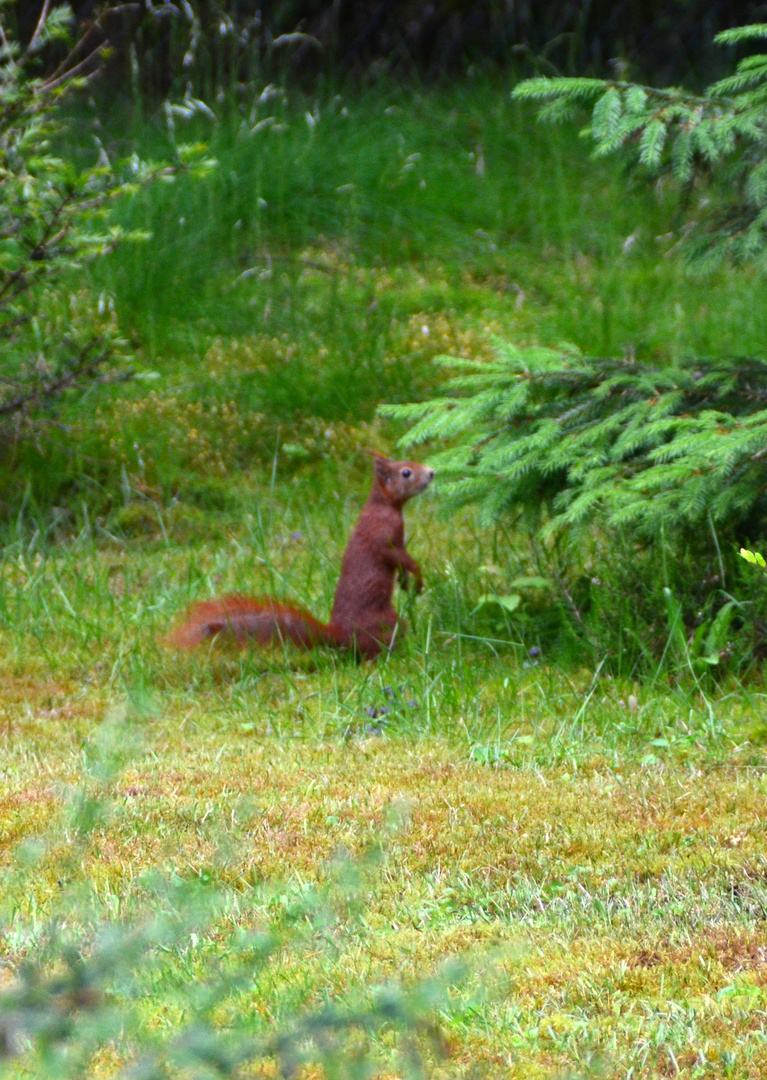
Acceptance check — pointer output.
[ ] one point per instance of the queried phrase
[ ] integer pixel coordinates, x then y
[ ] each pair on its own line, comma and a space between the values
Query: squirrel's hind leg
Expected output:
376, 635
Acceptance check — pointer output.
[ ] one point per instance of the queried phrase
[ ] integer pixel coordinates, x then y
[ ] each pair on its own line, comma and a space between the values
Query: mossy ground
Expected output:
600, 867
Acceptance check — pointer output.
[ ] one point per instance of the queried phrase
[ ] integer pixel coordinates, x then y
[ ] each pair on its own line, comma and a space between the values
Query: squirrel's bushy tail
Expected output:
261, 620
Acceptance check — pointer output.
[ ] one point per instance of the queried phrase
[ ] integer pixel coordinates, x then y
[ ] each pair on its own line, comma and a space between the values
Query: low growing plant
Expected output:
753, 557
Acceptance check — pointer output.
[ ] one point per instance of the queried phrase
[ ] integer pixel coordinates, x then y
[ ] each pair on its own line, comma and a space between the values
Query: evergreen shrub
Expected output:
712, 146
564, 439
649, 476
634, 484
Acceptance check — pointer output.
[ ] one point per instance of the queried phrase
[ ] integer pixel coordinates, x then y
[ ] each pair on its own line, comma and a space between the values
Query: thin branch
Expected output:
40, 26
88, 35
61, 384
7, 329
37, 253
41, 428
51, 84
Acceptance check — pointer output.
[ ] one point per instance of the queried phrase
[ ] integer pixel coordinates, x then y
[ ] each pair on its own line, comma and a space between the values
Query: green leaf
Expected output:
508, 603
739, 34
753, 557
607, 113
530, 583
651, 143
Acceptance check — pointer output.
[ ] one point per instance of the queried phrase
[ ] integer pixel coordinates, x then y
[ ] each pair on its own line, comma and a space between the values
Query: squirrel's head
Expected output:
401, 480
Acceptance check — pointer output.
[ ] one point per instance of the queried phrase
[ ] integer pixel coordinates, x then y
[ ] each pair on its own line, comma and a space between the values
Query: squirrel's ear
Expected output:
382, 465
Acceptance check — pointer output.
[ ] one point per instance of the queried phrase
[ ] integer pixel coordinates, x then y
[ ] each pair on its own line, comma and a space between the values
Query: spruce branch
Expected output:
718, 139
558, 438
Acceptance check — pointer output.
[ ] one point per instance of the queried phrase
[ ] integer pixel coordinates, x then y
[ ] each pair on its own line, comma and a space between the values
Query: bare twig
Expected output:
85, 41
51, 84
40, 26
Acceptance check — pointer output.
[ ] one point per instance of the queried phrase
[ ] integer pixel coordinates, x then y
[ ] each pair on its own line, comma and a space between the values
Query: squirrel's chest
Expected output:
373, 537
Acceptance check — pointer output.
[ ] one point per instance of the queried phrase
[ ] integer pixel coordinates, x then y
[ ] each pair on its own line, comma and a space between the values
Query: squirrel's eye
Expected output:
406, 472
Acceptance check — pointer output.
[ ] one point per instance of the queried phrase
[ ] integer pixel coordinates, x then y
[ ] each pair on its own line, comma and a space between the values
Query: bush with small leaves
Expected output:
55, 339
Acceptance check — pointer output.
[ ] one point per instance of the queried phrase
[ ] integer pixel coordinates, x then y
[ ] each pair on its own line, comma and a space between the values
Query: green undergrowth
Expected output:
590, 847
507, 681
460, 183
649, 617
341, 244
498, 866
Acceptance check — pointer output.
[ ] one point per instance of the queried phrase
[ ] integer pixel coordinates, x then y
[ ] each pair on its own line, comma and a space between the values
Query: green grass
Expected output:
506, 217
597, 860
461, 178
590, 841
319, 268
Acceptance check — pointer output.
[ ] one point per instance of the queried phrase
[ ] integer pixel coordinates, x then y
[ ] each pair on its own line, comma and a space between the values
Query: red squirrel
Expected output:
363, 618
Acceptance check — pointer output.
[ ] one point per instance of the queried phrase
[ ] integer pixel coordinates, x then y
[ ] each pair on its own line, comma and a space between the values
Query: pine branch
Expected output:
540, 431
690, 137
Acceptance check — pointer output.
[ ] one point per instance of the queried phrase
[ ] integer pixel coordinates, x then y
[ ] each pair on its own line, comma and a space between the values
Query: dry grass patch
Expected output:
607, 916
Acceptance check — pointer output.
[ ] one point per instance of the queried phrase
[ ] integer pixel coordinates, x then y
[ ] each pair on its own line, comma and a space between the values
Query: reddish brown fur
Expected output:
259, 619
363, 617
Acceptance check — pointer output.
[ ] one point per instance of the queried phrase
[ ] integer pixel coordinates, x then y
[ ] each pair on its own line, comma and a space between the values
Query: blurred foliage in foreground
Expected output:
74, 1003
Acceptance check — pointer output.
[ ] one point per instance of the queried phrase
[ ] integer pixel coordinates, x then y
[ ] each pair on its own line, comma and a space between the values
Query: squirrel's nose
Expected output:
431, 474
